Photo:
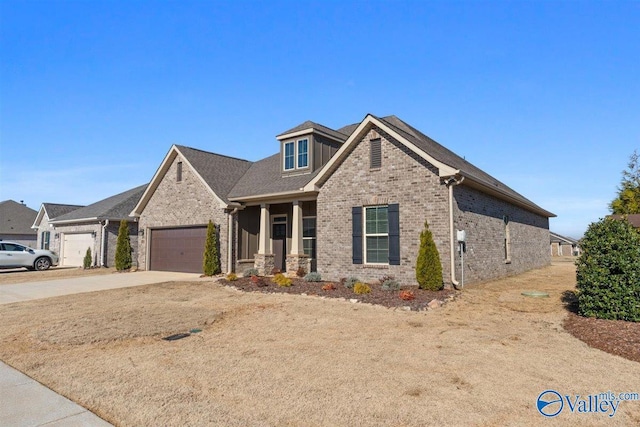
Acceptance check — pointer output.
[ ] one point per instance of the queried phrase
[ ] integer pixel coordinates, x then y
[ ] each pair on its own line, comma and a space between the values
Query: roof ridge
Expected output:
211, 152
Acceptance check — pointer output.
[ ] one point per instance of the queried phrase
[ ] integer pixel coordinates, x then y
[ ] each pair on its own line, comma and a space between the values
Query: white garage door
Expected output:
74, 248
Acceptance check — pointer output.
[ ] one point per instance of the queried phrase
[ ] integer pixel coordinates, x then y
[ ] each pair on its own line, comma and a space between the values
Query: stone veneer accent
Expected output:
185, 203
413, 183
264, 263
294, 262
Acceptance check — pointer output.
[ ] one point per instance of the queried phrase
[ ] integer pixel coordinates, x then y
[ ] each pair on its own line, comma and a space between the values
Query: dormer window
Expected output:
289, 155
296, 154
303, 153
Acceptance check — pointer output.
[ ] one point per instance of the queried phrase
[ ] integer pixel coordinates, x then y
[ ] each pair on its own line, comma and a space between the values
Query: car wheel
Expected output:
42, 263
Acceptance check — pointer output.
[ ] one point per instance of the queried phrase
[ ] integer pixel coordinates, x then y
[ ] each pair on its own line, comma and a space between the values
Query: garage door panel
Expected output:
74, 248
177, 249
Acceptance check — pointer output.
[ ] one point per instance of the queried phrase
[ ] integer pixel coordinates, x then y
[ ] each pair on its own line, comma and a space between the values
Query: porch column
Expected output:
297, 247
264, 246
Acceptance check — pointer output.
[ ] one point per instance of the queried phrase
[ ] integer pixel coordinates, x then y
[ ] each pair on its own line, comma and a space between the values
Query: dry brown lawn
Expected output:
289, 360
20, 275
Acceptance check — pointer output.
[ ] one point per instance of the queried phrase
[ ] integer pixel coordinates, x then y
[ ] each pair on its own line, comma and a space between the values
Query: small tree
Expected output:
628, 200
428, 266
211, 259
123, 247
608, 271
86, 262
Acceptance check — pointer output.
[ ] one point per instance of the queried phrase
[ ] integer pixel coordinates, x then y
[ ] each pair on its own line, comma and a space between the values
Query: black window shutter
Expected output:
394, 234
356, 213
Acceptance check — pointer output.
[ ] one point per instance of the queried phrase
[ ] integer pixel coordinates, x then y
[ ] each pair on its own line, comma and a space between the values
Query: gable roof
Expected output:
217, 172
53, 210
448, 163
309, 127
16, 218
556, 238
264, 178
115, 207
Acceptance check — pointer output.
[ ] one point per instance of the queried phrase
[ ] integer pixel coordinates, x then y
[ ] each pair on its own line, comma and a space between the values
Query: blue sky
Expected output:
543, 95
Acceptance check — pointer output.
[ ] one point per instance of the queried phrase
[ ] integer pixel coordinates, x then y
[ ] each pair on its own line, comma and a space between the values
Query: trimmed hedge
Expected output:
608, 271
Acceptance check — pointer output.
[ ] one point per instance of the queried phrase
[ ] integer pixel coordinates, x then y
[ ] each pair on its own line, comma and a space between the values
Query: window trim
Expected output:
296, 154
365, 234
284, 156
315, 236
306, 141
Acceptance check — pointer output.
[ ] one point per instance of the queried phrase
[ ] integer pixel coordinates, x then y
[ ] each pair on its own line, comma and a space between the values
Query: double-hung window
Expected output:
309, 236
296, 154
376, 235
289, 155
46, 239
303, 153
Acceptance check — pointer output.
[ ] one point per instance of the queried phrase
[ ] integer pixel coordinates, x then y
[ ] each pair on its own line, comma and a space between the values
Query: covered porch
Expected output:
277, 236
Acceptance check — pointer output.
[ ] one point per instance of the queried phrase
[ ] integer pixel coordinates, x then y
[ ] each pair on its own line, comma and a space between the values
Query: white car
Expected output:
15, 255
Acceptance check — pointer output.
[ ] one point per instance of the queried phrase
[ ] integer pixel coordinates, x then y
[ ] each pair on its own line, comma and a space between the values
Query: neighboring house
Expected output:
47, 238
15, 223
634, 219
563, 246
345, 202
96, 227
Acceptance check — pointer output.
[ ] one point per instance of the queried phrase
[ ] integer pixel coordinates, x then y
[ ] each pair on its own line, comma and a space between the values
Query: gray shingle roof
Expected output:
115, 207
265, 177
449, 158
55, 210
16, 218
555, 237
221, 173
317, 126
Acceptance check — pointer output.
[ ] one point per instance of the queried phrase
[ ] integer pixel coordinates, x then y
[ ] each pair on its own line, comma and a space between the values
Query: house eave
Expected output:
502, 195
270, 197
308, 131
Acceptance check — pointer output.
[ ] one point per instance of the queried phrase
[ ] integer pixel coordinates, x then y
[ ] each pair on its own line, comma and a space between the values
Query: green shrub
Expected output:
348, 283
361, 288
428, 266
211, 259
250, 272
123, 247
608, 271
313, 277
282, 280
232, 277
86, 262
390, 285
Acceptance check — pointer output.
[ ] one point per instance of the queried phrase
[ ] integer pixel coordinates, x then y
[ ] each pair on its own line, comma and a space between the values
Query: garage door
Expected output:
177, 249
74, 248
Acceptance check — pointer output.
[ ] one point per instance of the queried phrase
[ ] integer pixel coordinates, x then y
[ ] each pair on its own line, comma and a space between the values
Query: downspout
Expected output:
102, 244
230, 240
450, 183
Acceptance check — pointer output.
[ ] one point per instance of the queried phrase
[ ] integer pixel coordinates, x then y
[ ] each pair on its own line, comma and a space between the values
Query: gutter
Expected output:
450, 183
102, 242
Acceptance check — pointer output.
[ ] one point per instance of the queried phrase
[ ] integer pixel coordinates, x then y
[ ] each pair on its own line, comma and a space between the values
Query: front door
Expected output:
279, 236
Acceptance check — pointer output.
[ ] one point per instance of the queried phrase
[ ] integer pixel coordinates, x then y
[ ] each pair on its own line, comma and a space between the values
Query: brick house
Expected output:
47, 238
345, 202
563, 246
70, 230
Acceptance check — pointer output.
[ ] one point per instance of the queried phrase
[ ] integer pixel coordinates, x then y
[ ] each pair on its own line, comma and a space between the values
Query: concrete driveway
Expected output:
75, 285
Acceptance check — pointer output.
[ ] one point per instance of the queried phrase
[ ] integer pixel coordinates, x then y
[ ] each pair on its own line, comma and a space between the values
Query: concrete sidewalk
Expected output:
53, 288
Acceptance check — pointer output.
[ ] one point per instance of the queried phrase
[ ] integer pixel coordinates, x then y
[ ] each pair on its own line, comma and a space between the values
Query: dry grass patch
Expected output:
13, 276
288, 360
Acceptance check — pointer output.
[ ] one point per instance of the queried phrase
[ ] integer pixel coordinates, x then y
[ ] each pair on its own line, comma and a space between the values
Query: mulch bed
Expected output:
613, 336
390, 299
